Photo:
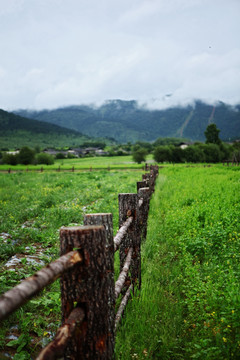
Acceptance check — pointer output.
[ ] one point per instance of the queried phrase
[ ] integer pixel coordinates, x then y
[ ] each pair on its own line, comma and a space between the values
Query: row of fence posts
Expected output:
146, 167
86, 268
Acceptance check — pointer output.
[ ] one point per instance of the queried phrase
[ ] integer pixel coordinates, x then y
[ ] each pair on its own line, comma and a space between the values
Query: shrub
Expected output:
139, 155
10, 159
26, 156
43, 158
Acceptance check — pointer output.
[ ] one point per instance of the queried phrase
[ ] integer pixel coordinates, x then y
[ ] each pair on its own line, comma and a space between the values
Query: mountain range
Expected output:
126, 121
17, 131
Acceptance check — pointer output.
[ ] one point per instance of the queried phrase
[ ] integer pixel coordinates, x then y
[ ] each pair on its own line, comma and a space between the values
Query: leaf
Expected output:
13, 343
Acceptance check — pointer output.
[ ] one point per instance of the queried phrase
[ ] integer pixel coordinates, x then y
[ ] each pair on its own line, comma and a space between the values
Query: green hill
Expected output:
17, 131
127, 121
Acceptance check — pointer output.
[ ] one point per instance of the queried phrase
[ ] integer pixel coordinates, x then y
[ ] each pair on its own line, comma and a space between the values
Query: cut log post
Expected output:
87, 287
146, 177
128, 206
153, 177
144, 194
107, 221
141, 184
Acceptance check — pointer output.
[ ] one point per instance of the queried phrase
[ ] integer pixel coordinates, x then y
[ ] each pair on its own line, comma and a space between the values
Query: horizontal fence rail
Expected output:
42, 169
31, 286
88, 291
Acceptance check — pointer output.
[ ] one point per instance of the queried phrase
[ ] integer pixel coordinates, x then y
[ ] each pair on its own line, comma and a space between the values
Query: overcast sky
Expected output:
63, 52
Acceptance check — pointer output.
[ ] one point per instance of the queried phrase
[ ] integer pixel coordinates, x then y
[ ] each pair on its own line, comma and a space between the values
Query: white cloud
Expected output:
57, 53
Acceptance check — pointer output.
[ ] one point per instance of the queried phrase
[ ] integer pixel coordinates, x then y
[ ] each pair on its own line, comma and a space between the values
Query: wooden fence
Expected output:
74, 169
86, 268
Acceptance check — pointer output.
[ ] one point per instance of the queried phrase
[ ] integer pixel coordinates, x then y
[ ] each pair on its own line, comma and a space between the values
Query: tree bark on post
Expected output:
128, 206
86, 286
107, 221
144, 193
146, 177
141, 184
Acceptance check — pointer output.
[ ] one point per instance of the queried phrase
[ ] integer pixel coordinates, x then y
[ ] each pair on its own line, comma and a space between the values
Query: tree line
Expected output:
163, 150
212, 151
27, 156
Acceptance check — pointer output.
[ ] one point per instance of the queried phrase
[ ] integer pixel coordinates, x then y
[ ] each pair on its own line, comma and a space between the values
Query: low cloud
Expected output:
56, 53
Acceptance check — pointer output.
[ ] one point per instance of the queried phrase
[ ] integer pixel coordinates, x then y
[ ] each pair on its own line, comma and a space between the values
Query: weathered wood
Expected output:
55, 349
122, 306
144, 195
128, 206
146, 177
121, 233
86, 286
140, 203
107, 221
16, 297
153, 177
122, 277
141, 184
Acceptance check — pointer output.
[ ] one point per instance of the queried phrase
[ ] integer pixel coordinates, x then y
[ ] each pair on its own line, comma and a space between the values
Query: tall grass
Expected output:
188, 307
33, 207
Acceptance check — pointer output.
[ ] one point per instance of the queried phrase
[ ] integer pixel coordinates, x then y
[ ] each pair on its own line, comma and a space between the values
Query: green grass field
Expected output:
97, 162
33, 207
189, 304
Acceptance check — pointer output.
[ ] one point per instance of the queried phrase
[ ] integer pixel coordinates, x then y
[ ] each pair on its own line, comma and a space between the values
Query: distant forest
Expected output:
126, 121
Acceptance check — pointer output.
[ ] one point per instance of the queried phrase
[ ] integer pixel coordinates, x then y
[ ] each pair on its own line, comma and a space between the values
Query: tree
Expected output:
10, 159
212, 153
26, 156
43, 158
60, 156
194, 154
162, 153
139, 155
177, 154
211, 134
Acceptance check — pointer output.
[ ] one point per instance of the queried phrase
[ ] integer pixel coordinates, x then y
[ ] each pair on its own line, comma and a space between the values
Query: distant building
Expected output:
184, 145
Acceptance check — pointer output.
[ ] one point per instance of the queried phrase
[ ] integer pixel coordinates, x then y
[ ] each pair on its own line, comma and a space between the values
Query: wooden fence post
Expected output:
153, 176
146, 177
144, 193
86, 287
107, 222
128, 206
141, 184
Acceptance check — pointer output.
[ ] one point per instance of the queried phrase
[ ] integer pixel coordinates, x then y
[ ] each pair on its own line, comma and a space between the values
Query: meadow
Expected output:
189, 304
96, 163
33, 207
